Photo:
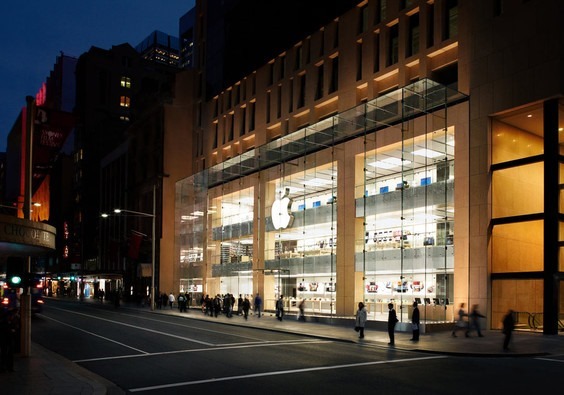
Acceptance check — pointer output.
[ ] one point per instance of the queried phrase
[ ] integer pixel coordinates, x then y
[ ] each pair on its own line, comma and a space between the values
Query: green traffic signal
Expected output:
16, 280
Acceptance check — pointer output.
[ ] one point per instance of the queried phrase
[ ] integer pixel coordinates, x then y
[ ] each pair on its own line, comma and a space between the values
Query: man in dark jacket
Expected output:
415, 323
392, 320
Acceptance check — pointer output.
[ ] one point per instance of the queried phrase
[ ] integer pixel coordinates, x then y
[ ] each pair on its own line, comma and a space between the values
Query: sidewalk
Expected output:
48, 373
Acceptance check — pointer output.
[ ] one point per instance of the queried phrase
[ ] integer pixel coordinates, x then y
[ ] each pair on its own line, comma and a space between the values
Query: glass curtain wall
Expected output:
300, 234
405, 202
267, 219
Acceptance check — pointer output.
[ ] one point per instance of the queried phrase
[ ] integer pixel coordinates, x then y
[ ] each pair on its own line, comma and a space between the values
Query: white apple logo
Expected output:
281, 213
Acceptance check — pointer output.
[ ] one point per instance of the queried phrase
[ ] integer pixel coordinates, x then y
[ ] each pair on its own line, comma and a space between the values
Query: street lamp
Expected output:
154, 217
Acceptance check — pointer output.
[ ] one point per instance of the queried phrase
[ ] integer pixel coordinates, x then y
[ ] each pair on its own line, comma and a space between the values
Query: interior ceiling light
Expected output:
317, 182
389, 163
427, 153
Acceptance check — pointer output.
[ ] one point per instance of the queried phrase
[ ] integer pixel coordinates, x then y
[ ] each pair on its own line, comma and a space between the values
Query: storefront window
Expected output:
517, 191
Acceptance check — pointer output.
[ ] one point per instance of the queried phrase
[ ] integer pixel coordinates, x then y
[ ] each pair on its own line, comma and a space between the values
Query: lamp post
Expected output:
153, 216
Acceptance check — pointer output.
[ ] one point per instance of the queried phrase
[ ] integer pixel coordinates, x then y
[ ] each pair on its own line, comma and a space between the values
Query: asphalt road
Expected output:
165, 354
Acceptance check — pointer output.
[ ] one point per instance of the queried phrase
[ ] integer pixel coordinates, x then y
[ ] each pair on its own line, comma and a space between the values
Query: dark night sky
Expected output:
34, 32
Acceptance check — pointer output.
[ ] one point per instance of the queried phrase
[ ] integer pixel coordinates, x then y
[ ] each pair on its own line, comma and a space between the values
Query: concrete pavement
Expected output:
48, 373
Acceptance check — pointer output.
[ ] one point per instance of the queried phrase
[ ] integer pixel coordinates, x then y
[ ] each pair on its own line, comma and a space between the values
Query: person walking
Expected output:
280, 308
246, 305
474, 321
171, 300
240, 305
360, 320
460, 323
508, 327
181, 303
415, 323
258, 305
392, 321
301, 308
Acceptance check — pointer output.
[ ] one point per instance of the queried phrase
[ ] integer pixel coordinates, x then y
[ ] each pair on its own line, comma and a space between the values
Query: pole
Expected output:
153, 247
25, 298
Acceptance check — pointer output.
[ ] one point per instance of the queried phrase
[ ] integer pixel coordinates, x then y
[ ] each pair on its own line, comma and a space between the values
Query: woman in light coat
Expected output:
360, 321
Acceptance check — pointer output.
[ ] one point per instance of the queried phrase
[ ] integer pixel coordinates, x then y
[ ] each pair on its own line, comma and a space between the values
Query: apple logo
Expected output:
281, 214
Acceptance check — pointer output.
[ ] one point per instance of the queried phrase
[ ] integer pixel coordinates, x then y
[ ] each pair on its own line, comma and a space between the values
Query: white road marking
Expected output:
551, 360
293, 371
226, 347
138, 327
96, 335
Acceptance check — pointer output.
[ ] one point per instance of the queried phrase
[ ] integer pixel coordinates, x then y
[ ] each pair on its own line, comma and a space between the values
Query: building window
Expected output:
393, 45
268, 99
430, 25
243, 124
126, 82
363, 19
279, 102
321, 42
320, 78
299, 58
413, 39
252, 116
124, 101
451, 19
231, 126
215, 134
334, 83
301, 90
282, 67
376, 52
359, 60
270, 73
381, 10
291, 96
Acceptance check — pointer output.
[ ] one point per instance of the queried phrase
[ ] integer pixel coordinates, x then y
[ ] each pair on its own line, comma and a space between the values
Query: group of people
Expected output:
225, 304
472, 324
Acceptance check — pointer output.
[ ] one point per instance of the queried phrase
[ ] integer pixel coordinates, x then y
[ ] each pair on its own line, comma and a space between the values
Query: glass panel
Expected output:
517, 247
518, 135
405, 207
517, 191
524, 297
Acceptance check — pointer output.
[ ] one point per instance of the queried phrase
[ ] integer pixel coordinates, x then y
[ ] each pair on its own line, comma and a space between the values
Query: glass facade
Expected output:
359, 206
526, 252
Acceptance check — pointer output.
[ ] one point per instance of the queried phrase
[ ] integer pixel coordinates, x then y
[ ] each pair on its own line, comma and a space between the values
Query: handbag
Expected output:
357, 328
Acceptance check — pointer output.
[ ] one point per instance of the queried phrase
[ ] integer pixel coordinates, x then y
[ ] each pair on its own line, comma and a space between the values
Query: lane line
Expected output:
192, 327
283, 372
551, 360
96, 335
227, 347
137, 327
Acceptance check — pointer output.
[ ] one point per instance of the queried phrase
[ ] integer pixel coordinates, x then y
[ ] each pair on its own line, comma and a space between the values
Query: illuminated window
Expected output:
124, 101
125, 82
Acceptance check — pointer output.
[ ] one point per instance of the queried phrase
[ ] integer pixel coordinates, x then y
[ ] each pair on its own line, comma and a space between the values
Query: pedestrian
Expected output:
181, 303
508, 327
258, 305
240, 304
360, 320
460, 323
392, 321
415, 323
171, 299
280, 308
474, 321
301, 308
246, 306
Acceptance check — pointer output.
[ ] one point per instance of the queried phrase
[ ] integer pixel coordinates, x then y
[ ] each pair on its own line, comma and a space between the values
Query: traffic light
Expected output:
15, 272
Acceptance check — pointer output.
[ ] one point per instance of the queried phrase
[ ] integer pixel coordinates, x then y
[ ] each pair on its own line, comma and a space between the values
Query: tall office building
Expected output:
403, 151
160, 47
